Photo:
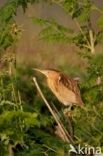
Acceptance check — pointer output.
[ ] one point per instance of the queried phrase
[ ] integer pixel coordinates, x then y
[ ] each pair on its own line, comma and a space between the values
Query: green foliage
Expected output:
77, 9
86, 38
92, 86
21, 120
100, 22
96, 66
8, 30
52, 31
99, 38
26, 126
92, 128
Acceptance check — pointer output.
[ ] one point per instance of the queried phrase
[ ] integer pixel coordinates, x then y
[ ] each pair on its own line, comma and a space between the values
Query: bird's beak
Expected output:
41, 71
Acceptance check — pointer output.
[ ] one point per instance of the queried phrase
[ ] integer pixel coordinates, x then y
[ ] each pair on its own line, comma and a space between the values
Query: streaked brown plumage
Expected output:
65, 88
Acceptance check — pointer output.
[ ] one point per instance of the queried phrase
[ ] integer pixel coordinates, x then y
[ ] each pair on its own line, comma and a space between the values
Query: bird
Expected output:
64, 87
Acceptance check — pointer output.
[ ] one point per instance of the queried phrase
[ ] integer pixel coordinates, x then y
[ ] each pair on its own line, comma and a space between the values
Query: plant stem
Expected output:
82, 32
94, 7
92, 41
67, 138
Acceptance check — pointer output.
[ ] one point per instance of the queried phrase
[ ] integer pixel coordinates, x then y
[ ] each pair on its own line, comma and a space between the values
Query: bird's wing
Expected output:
67, 82
71, 85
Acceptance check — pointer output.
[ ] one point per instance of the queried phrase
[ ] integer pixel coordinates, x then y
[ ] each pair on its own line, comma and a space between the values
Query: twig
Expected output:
92, 41
94, 7
55, 109
20, 102
67, 138
49, 148
82, 32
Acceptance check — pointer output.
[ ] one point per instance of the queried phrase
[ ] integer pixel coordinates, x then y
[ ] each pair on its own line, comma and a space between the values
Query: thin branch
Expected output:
20, 102
69, 138
49, 148
86, 46
94, 7
3, 92
92, 41
82, 32
14, 94
58, 117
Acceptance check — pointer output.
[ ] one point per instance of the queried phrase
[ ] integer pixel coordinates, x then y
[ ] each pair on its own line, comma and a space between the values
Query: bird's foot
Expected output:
67, 112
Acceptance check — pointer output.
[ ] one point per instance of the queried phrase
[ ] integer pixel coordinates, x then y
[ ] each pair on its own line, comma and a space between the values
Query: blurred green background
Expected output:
26, 126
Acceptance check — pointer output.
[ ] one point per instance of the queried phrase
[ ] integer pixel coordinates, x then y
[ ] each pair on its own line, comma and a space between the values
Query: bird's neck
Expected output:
52, 84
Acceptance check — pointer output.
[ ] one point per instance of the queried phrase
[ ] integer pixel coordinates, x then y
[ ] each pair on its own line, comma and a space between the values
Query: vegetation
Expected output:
26, 125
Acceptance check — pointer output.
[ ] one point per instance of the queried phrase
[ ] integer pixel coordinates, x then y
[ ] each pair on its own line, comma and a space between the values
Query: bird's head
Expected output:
49, 73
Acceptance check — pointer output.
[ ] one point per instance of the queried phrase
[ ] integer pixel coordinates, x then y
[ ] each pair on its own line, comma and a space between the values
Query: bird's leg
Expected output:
68, 116
67, 111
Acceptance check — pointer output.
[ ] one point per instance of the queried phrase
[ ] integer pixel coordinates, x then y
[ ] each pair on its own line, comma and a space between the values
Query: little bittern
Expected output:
65, 88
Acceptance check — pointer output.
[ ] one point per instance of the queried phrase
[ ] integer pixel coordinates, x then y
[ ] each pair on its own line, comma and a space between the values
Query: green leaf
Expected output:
100, 22
99, 37
69, 6
40, 21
